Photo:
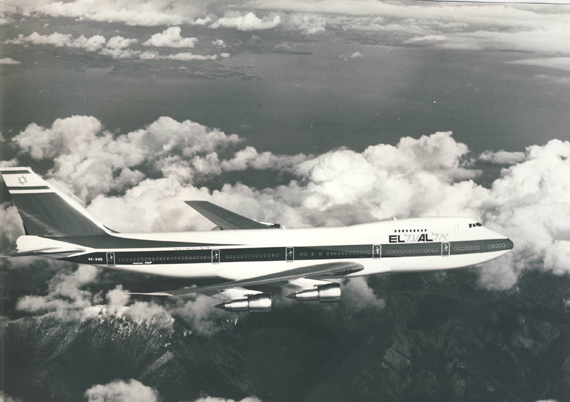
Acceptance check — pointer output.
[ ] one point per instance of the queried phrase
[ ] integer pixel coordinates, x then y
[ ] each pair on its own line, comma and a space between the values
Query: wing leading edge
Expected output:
227, 220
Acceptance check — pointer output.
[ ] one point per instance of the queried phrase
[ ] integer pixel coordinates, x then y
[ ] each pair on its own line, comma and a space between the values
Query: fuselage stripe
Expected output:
258, 254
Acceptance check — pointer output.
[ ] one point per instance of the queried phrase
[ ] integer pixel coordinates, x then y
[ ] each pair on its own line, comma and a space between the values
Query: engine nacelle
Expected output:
323, 293
258, 303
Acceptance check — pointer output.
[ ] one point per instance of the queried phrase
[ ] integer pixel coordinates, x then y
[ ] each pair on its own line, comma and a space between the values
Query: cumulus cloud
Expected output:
451, 26
122, 391
116, 47
250, 158
146, 12
135, 391
154, 55
118, 42
247, 22
219, 43
170, 38
8, 60
427, 176
60, 40
358, 295
118, 53
309, 24
502, 157
65, 297
10, 225
4, 20
91, 161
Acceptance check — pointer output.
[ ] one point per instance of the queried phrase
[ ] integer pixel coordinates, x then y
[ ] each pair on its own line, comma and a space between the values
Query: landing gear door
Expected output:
445, 249
111, 259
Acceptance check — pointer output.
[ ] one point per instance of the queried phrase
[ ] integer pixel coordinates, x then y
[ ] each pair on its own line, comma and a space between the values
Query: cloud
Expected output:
187, 56
115, 47
122, 391
154, 55
502, 157
451, 26
219, 43
250, 158
309, 24
562, 63
146, 12
5, 20
8, 60
91, 161
65, 299
426, 176
528, 204
247, 22
118, 53
10, 225
358, 295
354, 55
170, 38
135, 391
60, 40
216, 399
465, 26
6, 398
118, 42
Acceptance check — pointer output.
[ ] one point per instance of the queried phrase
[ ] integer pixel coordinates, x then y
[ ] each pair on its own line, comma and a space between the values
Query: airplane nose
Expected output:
502, 241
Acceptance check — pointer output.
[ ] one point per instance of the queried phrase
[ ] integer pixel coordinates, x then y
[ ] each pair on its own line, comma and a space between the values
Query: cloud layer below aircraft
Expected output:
141, 179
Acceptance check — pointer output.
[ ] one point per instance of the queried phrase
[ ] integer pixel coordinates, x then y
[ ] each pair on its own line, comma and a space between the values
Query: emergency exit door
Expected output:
111, 259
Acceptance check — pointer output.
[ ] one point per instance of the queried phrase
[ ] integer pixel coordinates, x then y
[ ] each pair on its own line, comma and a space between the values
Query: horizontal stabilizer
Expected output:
227, 220
44, 252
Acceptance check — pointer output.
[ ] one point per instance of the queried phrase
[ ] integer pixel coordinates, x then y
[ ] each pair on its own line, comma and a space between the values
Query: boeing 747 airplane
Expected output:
245, 255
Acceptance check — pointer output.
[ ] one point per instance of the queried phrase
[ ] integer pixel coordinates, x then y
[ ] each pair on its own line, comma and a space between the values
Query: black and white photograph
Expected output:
284, 201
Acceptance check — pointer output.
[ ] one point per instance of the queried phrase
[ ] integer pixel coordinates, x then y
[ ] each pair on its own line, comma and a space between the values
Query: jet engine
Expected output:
258, 303
323, 293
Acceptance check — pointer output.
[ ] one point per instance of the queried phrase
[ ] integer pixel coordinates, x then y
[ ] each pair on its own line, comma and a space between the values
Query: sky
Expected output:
307, 113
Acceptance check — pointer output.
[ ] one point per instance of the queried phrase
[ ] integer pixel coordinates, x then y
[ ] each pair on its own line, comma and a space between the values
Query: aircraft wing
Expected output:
226, 220
334, 269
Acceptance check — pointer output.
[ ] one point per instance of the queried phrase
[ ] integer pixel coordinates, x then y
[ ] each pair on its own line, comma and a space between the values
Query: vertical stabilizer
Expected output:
45, 210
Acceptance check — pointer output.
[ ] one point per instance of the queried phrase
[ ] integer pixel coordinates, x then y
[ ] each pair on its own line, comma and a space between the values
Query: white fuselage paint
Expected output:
425, 231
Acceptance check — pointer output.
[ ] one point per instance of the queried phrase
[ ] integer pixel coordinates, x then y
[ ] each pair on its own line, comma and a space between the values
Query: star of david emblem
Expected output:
22, 180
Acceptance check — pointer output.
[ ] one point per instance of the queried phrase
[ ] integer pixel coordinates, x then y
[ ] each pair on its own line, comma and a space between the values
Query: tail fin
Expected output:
45, 210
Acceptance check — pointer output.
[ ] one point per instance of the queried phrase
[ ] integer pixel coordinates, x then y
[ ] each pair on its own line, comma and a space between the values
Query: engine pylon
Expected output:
324, 293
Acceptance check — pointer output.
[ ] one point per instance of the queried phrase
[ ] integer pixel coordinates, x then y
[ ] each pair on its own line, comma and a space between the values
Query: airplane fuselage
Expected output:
405, 245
